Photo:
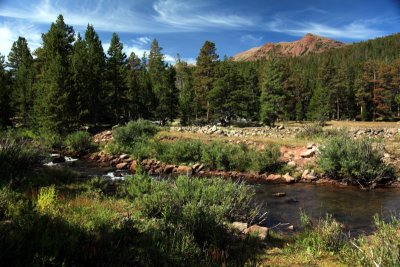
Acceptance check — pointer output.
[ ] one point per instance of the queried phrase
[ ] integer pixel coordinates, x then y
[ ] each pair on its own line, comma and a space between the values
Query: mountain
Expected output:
310, 43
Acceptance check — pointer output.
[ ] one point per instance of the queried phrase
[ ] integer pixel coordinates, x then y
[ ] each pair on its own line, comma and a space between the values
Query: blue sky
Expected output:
182, 26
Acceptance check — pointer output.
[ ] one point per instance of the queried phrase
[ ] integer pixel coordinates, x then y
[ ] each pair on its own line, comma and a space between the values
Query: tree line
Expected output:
70, 81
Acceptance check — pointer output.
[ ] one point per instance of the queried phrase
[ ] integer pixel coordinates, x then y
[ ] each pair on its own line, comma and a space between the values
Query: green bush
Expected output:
180, 151
221, 156
325, 236
191, 215
79, 142
380, 249
135, 131
354, 161
17, 157
316, 130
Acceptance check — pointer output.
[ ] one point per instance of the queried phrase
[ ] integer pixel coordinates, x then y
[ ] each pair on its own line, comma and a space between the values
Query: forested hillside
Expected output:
70, 81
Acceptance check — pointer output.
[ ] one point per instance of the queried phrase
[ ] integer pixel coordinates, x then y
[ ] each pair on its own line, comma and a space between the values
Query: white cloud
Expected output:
251, 39
10, 31
140, 49
196, 15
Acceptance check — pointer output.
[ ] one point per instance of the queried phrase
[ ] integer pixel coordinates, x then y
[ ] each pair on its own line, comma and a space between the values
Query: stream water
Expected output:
352, 207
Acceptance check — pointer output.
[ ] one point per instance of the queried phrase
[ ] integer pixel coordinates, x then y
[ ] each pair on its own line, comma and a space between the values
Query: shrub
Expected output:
79, 142
47, 199
380, 249
316, 130
180, 151
221, 156
127, 136
191, 215
325, 236
354, 161
17, 158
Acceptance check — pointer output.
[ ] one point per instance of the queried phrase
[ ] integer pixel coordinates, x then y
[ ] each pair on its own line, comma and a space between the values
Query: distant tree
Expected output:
116, 77
96, 68
271, 99
5, 108
20, 63
184, 85
163, 84
54, 111
203, 79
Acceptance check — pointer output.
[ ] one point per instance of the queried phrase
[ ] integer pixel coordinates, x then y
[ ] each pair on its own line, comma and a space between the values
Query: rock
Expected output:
307, 175
133, 166
240, 226
290, 227
184, 170
288, 178
58, 159
291, 164
308, 153
261, 232
168, 169
387, 155
310, 145
281, 127
122, 165
275, 178
124, 156
279, 194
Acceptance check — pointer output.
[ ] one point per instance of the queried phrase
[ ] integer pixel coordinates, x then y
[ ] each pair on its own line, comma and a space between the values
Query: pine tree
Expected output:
96, 67
271, 98
163, 84
54, 111
116, 77
184, 85
5, 108
20, 62
204, 76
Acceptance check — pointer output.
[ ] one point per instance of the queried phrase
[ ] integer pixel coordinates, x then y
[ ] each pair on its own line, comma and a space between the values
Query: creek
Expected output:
352, 207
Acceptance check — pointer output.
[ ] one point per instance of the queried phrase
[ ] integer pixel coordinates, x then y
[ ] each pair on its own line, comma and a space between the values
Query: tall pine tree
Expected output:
20, 62
54, 110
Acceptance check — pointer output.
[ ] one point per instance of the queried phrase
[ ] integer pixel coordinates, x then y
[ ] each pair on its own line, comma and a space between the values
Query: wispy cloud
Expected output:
10, 31
196, 15
251, 39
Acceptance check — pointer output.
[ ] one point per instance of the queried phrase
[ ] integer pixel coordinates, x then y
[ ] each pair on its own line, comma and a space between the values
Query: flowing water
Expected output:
352, 207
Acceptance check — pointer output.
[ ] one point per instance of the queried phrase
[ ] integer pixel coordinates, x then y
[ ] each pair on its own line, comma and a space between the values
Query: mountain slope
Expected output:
310, 43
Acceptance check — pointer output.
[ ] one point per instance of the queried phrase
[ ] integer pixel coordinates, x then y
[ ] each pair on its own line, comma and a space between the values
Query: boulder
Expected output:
288, 178
308, 153
310, 145
133, 166
261, 232
240, 226
168, 169
275, 178
184, 170
124, 156
279, 194
307, 175
58, 159
291, 163
122, 165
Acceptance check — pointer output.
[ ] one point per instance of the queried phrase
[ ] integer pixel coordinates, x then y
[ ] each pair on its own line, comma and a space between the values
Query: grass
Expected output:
150, 223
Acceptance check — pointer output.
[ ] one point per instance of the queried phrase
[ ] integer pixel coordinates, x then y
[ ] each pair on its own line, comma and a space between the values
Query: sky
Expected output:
182, 26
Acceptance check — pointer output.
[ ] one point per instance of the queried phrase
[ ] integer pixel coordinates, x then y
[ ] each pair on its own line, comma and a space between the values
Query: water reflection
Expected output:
352, 207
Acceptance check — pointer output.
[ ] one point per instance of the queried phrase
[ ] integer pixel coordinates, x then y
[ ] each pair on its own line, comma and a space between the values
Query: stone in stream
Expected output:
279, 194
57, 158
